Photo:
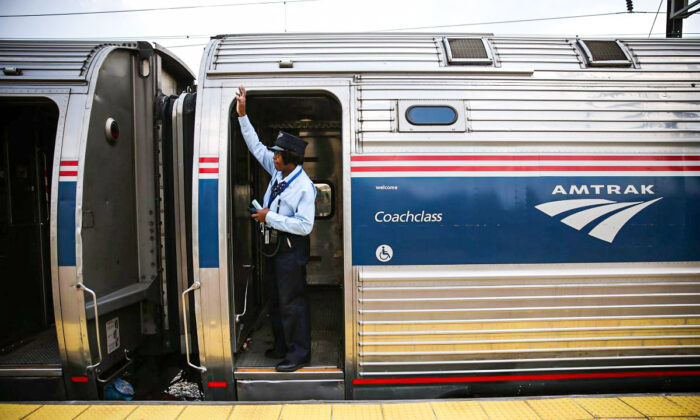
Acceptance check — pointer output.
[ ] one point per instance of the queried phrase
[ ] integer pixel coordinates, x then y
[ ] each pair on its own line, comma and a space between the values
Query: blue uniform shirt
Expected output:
296, 203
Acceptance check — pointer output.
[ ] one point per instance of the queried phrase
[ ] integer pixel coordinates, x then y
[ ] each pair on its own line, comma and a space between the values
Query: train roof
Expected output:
65, 61
229, 55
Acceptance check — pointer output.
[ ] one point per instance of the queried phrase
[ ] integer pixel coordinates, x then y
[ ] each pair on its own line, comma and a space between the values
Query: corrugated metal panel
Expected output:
326, 53
50, 60
384, 52
531, 111
447, 321
666, 55
542, 54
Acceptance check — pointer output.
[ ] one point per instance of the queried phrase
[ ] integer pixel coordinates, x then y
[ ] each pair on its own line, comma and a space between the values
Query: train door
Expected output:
30, 364
112, 187
316, 118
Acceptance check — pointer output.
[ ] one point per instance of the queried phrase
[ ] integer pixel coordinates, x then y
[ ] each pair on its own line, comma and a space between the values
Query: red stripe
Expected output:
69, 163
527, 157
220, 384
79, 379
209, 159
519, 168
208, 170
553, 376
68, 173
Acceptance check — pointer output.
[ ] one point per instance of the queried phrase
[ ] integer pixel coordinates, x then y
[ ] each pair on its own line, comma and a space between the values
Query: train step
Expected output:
309, 383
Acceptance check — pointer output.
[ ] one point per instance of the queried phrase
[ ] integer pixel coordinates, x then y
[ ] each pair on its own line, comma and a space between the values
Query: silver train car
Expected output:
81, 210
495, 215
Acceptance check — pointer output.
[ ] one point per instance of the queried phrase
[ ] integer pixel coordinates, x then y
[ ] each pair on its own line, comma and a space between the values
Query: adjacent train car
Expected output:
496, 215
80, 212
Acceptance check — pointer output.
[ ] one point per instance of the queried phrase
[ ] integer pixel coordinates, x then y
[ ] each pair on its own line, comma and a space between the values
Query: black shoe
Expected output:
287, 366
274, 354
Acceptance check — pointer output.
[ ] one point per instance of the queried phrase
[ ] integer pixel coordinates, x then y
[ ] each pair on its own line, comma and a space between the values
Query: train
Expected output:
495, 215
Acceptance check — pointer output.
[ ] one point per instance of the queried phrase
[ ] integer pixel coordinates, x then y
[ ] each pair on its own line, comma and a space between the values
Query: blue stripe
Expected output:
66, 223
208, 223
471, 220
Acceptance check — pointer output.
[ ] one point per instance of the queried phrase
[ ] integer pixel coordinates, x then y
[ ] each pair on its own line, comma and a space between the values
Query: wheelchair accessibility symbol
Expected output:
384, 253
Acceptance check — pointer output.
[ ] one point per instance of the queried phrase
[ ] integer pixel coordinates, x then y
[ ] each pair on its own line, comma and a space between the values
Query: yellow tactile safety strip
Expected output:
357, 412
156, 412
608, 408
549, 408
672, 418
258, 412
107, 412
656, 407
458, 410
204, 412
306, 412
509, 410
691, 404
404, 411
558, 409
16, 411
58, 411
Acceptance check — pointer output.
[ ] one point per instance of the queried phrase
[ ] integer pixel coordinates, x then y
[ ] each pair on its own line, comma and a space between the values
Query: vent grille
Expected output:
605, 53
467, 48
468, 51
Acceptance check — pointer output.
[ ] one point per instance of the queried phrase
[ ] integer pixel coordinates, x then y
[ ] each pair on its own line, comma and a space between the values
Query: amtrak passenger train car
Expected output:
495, 215
80, 213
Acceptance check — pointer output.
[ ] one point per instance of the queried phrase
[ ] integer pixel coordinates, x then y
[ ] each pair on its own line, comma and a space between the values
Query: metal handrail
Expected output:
245, 302
196, 285
80, 285
118, 372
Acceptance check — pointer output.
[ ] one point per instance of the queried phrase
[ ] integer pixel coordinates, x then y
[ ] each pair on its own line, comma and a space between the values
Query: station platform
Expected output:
666, 407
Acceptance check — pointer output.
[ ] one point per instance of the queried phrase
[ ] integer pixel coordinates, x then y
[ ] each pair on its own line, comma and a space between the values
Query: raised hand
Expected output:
240, 101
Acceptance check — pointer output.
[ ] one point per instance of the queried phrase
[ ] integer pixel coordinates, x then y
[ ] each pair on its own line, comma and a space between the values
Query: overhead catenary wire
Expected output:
517, 20
155, 9
655, 16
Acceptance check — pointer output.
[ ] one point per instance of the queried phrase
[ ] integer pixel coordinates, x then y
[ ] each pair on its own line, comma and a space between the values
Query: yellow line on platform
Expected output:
655, 407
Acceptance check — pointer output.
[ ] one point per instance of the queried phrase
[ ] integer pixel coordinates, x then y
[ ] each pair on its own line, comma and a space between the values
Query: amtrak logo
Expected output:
605, 230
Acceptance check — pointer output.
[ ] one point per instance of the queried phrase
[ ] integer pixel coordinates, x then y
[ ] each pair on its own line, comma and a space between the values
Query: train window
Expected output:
324, 200
432, 116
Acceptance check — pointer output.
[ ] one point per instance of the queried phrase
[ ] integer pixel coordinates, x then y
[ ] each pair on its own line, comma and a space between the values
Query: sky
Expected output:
186, 30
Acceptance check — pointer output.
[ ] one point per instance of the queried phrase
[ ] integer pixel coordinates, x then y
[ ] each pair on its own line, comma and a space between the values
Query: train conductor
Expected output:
289, 212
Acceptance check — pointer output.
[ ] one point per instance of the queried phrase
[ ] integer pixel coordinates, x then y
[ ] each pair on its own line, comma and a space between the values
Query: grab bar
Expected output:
192, 288
80, 285
119, 371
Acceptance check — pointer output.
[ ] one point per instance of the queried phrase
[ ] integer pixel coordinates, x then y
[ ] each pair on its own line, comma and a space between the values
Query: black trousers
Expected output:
289, 304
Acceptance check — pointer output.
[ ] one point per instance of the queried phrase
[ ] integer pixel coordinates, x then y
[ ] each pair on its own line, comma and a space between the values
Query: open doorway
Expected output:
27, 138
316, 118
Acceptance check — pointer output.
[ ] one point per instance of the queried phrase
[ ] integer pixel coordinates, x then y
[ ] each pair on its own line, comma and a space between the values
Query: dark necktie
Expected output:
277, 189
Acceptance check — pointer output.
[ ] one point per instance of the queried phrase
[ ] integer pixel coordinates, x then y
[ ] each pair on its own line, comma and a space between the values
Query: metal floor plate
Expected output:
542, 408
40, 349
326, 335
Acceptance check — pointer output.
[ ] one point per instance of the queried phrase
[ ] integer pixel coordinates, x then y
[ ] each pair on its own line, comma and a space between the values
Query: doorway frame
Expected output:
213, 310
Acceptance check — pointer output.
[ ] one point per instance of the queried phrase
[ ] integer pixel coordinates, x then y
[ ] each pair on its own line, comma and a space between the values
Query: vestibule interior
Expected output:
316, 118
27, 138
